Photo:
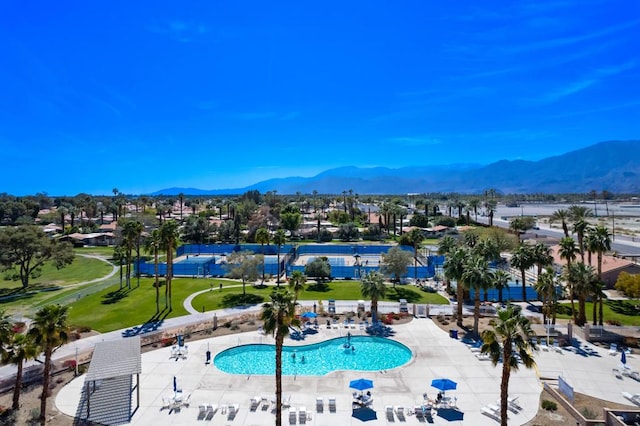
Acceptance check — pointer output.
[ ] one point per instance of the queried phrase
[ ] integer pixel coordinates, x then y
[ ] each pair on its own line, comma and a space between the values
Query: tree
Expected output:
583, 279
568, 251
454, 267
278, 315
244, 265
49, 331
373, 288
416, 237
197, 230
500, 281
522, 259
395, 263
541, 256
512, 333
153, 244
319, 268
348, 232
296, 283
131, 233
599, 241
477, 276
279, 239
19, 348
262, 238
27, 248
168, 243
546, 288
562, 216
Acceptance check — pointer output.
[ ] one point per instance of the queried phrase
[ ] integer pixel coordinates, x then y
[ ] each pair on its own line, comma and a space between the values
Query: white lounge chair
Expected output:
332, 404
635, 398
400, 413
514, 403
489, 412
543, 345
389, 410
302, 415
613, 349
232, 412
255, 402
293, 415
319, 405
556, 346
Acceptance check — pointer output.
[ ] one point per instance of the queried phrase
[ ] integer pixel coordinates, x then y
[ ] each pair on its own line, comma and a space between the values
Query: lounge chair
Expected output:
635, 398
302, 415
543, 345
400, 413
293, 415
332, 404
255, 402
616, 372
211, 410
514, 403
319, 405
232, 412
389, 410
419, 412
556, 346
489, 412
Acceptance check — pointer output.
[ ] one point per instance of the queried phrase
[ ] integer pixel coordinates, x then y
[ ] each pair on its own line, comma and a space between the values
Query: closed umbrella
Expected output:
623, 359
175, 384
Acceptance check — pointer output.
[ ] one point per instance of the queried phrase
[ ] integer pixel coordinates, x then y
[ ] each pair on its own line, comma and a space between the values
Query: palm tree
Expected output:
546, 288
373, 287
278, 315
296, 283
541, 256
131, 233
474, 203
568, 251
416, 237
580, 227
599, 241
168, 238
522, 259
500, 281
262, 238
562, 216
477, 276
454, 266
279, 239
19, 349
152, 244
511, 333
49, 331
582, 276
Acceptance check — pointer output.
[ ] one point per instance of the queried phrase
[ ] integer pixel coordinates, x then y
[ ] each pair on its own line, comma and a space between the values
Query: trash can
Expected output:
453, 333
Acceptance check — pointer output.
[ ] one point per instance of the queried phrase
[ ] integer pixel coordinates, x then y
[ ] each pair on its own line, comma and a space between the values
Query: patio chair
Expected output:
389, 410
544, 346
232, 411
556, 346
635, 398
302, 415
319, 405
400, 413
489, 412
514, 403
255, 402
332, 404
613, 349
293, 415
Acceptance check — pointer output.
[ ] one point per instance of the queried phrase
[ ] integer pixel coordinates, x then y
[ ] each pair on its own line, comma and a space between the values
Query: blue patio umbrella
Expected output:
309, 314
361, 384
364, 414
443, 384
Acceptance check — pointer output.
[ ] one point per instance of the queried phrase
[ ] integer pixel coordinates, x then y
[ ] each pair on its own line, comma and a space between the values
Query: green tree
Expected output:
416, 237
279, 239
500, 281
522, 259
197, 230
568, 251
373, 288
599, 241
477, 276
262, 238
153, 245
169, 240
348, 232
131, 234
278, 315
511, 333
395, 263
244, 265
27, 248
454, 267
296, 283
583, 279
562, 216
546, 288
319, 268
49, 331
19, 348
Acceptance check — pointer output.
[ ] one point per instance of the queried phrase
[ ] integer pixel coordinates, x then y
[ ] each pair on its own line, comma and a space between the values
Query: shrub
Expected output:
69, 364
167, 341
614, 322
588, 414
549, 405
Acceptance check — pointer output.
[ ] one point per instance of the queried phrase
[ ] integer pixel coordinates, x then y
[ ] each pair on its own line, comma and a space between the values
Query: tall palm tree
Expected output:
474, 203
582, 276
580, 227
454, 266
562, 216
522, 259
373, 287
278, 315
262, 238
500, 280
169, 239
279, 239
511, 333
477, 276
153, 244
568, 251
546, 288
541, 256
296, 283
19, 349
599, 241
49, 331
416, 237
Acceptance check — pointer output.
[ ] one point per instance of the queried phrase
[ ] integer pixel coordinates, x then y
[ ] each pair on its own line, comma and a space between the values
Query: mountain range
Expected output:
613, 166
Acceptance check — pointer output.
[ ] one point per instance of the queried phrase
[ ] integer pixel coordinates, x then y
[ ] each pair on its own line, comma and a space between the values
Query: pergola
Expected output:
109, 385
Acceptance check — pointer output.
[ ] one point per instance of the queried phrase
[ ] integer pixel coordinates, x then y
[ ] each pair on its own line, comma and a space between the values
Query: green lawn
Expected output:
100, 251
621, 312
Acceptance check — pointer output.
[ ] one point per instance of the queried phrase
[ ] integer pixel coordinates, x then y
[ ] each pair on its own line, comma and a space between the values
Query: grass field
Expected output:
621, 312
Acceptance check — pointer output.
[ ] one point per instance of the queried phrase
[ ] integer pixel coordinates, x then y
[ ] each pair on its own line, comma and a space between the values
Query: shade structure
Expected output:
443, 384
364, 414
361, 384
309, 314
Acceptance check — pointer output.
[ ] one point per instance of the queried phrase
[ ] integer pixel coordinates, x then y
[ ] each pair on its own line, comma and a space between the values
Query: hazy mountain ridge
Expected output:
612, 165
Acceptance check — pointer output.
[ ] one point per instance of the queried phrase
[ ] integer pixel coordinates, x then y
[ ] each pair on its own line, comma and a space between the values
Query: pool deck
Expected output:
588, 368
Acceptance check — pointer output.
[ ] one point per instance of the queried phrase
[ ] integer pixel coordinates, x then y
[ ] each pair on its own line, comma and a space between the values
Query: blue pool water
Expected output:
370, 354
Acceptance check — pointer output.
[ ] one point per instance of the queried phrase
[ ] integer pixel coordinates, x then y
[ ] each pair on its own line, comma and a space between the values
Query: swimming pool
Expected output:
368, 354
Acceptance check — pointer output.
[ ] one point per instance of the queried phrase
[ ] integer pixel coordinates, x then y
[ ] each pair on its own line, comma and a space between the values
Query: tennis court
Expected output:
334, 260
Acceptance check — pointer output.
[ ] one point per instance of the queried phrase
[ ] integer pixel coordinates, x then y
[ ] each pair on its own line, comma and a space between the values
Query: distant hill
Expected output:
612, 166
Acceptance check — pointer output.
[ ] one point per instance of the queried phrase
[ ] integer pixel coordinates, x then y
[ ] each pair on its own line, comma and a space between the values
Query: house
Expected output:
611, 266
93, 239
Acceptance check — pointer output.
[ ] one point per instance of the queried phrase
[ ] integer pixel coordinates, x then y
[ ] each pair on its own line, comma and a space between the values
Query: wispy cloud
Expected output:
182, 31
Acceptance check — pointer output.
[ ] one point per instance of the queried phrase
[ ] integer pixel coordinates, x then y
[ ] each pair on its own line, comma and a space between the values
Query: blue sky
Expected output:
221, 94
